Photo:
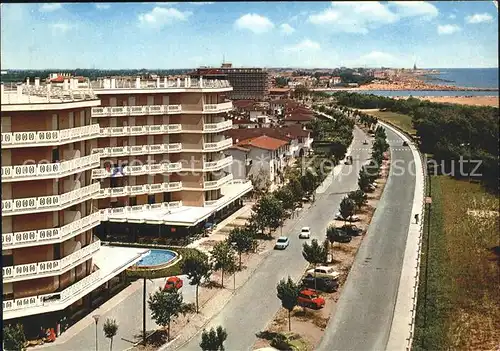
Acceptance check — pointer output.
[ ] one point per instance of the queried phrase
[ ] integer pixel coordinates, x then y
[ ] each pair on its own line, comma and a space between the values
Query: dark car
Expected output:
405, 143
351, 230
322, 283
343, 238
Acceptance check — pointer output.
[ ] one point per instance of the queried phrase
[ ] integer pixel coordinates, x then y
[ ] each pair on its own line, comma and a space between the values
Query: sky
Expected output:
156, 35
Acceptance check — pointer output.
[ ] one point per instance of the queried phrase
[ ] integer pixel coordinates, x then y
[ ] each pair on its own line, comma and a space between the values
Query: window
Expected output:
57, 251
167, 197
151, 199
55, 155
132, 201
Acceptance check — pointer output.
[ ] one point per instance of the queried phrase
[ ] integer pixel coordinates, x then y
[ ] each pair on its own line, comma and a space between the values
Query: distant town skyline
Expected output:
178, 35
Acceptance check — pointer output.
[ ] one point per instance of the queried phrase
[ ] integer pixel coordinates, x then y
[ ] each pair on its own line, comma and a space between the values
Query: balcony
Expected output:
218, 146
216, 184
105, 213
218, 127
49, 268
137, 150
215, 165
49, 170
48, 299
132, 190
140, 130
49, 203
218, 108
136, 170
145, 110
52, 235
49, 137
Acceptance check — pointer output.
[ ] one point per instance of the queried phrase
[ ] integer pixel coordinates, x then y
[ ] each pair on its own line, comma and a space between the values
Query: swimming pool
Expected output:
157, 258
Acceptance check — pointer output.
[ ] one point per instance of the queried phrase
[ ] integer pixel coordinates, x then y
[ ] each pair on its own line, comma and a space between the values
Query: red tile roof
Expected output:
264, 142
243, 103
247, 133
297, 116
241, 148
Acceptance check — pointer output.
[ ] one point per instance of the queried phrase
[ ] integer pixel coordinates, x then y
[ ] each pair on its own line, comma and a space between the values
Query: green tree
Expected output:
314, 253
334, 234
13, 337
288, 292
110, 328
285, 195
296, 189
359, 198
364, 180
223, 258
346, 210
165, 306
197, 267
214, 339
243, 240
268, 212
309, 182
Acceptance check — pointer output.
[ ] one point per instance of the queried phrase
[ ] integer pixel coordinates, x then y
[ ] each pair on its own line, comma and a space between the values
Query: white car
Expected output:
324, 271
282, 243
305, 233
353, 218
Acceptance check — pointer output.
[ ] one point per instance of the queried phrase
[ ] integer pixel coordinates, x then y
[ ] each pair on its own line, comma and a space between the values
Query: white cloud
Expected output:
161, 16
479, 18
304, 45
377, 59
452, 16
49, 7
354, 17
286, 28
60, 28
447, 29
414, 8
102, 6
202, 3
360, 17
255, 23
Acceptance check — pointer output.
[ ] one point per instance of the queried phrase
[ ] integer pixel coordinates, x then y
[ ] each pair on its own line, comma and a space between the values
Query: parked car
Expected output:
405, 143
353, 218
310, 298
351, 230
305, 233
348, 160
365, 142
324, 271
173, 283
322, 283
282, 243
343, 238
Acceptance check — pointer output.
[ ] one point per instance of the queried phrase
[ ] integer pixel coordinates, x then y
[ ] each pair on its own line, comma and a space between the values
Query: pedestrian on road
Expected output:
416, 218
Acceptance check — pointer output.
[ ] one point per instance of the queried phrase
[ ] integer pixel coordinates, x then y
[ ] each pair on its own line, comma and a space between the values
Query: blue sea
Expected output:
468, 77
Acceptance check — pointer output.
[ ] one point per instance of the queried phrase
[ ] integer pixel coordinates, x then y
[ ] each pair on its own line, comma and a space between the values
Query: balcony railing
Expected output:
216, 184
137, 170
53, 298
138, 150
215, 165
107, 212
216, 108
51, 235
132, 190
48, 203
49, 170
49, 137
218, 127
217, 146
116, 111
48, 268
140, 130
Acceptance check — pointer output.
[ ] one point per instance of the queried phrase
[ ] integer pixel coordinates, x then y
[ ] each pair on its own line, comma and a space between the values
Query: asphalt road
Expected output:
255, 304
363, 316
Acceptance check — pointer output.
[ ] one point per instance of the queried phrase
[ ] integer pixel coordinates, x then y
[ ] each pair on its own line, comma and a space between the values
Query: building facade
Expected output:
248, 83
52, 263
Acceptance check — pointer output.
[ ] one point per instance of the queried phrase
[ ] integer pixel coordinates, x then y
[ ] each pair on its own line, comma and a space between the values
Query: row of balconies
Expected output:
51, 299
216, 184
49, 170
132, 190
159, 168
49, 137
106, 212
163, 129
160, 149
116, 111
49, 203
48, 268
51, 235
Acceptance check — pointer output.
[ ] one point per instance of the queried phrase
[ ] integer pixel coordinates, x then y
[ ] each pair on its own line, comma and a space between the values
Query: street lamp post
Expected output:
96, 319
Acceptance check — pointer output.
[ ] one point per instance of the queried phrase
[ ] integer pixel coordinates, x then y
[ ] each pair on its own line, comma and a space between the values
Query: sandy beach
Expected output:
463, 100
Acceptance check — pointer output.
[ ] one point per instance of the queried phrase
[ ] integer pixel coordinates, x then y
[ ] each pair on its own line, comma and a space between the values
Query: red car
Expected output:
310, 298
173, 283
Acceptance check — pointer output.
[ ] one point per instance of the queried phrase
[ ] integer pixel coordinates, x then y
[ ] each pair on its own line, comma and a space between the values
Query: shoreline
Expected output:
398, 88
